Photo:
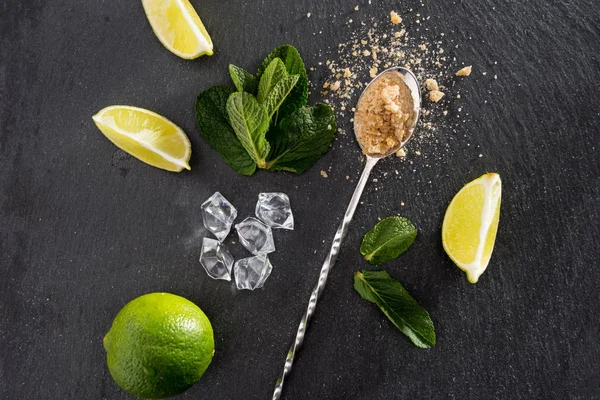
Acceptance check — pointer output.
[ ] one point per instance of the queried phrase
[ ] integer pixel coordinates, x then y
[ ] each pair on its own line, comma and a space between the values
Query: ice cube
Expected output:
275, 210
251, 273
256, 236
218, 215
216, 259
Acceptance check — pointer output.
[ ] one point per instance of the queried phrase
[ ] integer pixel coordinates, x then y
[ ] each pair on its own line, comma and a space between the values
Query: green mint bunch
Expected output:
265, 121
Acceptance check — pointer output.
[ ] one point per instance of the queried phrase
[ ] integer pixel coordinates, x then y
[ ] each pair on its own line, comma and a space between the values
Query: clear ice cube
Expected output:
218, 215
275, 210
216, 259
251, 273
256, 236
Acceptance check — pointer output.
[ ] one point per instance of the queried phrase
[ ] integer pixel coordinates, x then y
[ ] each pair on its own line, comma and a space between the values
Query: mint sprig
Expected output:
266, 123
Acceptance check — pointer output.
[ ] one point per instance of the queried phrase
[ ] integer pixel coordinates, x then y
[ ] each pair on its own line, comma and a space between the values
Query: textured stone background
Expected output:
85, 228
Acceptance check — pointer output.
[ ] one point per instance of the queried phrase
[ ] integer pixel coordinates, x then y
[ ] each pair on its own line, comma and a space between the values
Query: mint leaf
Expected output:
243, 80
279, 93
213, 122
250, 123
274, 86
397, 304
387, 240
301, 139
294, 66
274, 73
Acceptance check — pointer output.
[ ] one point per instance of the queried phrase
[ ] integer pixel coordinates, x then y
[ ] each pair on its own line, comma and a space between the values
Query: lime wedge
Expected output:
178, 27
470, 225
146, 135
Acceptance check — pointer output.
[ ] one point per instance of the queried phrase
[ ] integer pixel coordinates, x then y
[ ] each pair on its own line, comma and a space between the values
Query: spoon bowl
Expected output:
411, 81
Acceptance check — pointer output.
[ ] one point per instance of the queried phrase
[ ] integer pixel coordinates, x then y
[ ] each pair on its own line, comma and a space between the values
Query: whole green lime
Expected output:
159, 345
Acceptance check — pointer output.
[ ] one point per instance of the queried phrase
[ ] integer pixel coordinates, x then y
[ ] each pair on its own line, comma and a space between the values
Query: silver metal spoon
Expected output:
413, 84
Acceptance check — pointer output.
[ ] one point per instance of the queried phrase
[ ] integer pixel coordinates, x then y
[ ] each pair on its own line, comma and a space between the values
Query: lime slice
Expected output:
470, 225
146, 135
178, 27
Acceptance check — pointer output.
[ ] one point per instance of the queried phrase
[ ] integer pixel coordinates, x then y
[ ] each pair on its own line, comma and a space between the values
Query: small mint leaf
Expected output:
294, 66
250, 123
213, 123
272, 75
278, 94
243, 80
301, 139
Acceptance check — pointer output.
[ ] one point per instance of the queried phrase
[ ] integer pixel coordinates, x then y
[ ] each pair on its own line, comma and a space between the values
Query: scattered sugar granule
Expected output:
335, 86
401, 153
398, 34
445, 112
329, 127
435, 96
347, 73
418, 153
466, 71
402, 204
423, 46
431, 84
373, 72
347, 177
366, 53
356, 8
324, 173
307, 15
481, 155
395, 18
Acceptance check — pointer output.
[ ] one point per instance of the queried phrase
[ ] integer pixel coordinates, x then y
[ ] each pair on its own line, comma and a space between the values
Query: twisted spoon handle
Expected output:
327, 265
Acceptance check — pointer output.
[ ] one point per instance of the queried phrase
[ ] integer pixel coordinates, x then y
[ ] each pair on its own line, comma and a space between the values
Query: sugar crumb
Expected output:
435, 96
466, 71
308, 15
431, 84
401, 153
395, 18
324, 173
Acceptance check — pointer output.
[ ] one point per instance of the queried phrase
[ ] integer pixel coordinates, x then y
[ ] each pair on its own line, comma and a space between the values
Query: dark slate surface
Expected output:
85, 228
